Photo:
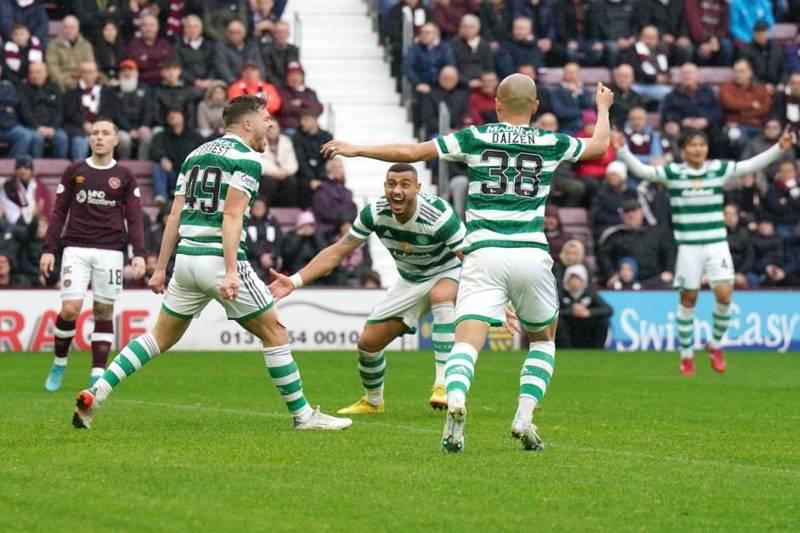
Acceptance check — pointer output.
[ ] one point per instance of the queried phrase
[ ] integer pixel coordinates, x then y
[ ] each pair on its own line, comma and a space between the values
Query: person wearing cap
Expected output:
23, 197
195, 53
251, 84
295, 98
138, 109
149, 51
11, 130
332, 199
303, 243
278, 53
583, 314
174, 93
745, 14
308, 142
231, 55
42, 113
66, 53
765, 55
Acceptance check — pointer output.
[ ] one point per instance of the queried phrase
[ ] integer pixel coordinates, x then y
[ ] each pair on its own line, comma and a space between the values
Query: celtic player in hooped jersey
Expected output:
696, 200
425, 237
216, 187
510, 168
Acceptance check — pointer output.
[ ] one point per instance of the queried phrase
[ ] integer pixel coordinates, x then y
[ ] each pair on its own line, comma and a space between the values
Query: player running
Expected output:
424, 236
696, 201
100, 196
216, 188
510, 168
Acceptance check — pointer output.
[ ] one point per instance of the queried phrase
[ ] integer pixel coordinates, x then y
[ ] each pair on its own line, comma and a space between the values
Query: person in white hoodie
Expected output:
279, 166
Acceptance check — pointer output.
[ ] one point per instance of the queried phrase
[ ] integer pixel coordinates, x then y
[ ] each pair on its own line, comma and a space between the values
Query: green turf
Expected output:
202, 442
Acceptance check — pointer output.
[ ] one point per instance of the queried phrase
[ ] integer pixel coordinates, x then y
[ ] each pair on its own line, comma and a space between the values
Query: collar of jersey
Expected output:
97, 167
236, 137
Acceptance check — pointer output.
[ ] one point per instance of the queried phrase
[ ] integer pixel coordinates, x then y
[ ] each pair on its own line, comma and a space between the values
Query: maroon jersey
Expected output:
98, 201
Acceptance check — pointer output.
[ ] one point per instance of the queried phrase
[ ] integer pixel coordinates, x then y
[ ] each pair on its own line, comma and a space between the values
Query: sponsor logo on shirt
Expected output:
80, 179
114, 182
93, 197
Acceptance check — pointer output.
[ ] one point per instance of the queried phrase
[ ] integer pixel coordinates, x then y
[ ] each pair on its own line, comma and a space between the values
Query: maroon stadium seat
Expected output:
713, 76
785, 33
286, 216
591, 76
573, 216
550, 75
7, 167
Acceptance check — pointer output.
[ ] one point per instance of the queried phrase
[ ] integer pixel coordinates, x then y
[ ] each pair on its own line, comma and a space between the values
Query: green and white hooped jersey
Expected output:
510, 170
205, 178
696, 199
424, 245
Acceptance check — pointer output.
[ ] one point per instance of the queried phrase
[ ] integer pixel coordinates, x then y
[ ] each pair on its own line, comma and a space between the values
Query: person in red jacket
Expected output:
594, 169
251, 84
746, 104
481, 101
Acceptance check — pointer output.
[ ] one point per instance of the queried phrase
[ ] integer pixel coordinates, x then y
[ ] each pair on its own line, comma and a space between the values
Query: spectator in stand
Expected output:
496, 17
765, 55
615, 23
307, 145
786, 105
740, 244
449, 93
23, 197
744, 16
174, 93
747, 197
472, 52
746, 104
278, 54
218, 14
263, 18
767, 269
643, 140
573, 253
625, 97
650, 60
196, 54
651, 246
209, 112
420, 15
606, 203
150, 51
792, 55
31, 13
95, 15
109, 51
545, 106
541, 13
264, 239
669, 17
133, 11
251, 84
237, 50
302, 244
20, 51
83, 104
569, 99
66, 53
138, 111
425, 59
42, 113
782, 202
11, 131
575, 29
566, 189
708, 22
761, 143
13, 234
296, 98
169, 150
481, 102
583, 314
448, 13
332, 199
592, 171
9, 279
520, 48
355, 266
694, 106
627, 276
278, 169
556, 237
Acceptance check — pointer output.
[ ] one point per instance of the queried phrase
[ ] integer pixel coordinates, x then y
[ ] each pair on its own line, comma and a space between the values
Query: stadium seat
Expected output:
785, 33
286, 216
573, 216
54, 28
7, 167
591, 76
654, 119
714, 76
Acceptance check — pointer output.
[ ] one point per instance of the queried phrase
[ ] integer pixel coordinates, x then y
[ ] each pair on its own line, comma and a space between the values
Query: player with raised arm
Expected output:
510, 168
98, 196
696, 200
216, 188
424, 236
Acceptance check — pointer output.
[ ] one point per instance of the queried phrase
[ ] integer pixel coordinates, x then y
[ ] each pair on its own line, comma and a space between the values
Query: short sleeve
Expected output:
364, 224
454, 146
575, 148
180, 185
246, 177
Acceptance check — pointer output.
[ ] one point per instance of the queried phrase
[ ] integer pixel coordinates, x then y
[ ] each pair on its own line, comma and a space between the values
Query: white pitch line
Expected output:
586, 449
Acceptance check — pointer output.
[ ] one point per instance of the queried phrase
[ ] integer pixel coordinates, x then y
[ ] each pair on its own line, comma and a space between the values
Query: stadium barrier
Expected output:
318, 319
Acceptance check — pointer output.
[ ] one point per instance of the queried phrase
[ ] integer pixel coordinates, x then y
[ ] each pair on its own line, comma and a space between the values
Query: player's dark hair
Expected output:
689, 135
102, 118
402, 167
240, 107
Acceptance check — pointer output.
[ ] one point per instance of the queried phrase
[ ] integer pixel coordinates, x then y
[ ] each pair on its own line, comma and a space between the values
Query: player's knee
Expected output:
366, 344
274, 335
70, 310
103, 311
724, 299
547, 334
688, 298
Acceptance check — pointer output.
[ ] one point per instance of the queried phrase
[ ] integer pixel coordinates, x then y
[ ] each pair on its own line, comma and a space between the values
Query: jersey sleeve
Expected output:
246, 176
454, 146
180, 184
364, 223
575, 147
60, 210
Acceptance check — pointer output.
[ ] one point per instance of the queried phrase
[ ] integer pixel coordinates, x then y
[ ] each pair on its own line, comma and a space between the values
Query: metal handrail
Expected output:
408, 39
298, 31
444, 170
372, 11
330, 115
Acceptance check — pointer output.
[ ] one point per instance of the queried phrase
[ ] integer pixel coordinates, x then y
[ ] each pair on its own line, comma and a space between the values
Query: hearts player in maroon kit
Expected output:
99, 196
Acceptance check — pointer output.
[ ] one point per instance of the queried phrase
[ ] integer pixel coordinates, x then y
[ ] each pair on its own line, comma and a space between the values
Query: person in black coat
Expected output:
583, 314
174, 93
42, 112
669, 17
768, 267
472, 52
302, 244
522, 47
765, 55
93, 18
307, 144
448, 92
420, 15
169, 150
264, 239
496, 17
109, 50
138, 109
277, 55
195, 54
606, 203
741, 245
576, 30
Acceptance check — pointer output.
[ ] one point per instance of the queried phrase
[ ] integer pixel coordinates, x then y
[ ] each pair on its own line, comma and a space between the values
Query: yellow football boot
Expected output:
438, 398
361, 407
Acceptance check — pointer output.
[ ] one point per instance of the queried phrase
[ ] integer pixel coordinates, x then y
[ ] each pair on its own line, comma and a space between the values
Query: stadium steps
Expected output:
344, 64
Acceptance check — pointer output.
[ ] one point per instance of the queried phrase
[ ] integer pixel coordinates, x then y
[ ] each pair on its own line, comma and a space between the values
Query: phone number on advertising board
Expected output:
318, 337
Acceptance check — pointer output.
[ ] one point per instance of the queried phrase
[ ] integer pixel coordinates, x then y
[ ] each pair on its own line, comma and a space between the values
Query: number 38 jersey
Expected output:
510, 170
206, 176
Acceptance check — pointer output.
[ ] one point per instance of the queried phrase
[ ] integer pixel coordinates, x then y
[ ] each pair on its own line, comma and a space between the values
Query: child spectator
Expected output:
583, 315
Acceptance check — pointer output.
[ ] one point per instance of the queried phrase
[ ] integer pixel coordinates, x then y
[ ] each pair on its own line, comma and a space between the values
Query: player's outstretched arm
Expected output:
645, 172
158, 280
323, 262
392, 153
597, 144
767, 157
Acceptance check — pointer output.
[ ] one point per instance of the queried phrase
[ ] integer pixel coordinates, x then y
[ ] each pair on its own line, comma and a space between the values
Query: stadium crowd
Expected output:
163, 71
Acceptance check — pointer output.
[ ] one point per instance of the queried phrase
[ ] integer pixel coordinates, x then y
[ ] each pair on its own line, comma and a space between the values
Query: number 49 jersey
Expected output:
510, 170
206, 176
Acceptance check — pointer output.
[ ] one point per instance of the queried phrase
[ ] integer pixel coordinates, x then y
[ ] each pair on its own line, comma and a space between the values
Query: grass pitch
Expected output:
203, 442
